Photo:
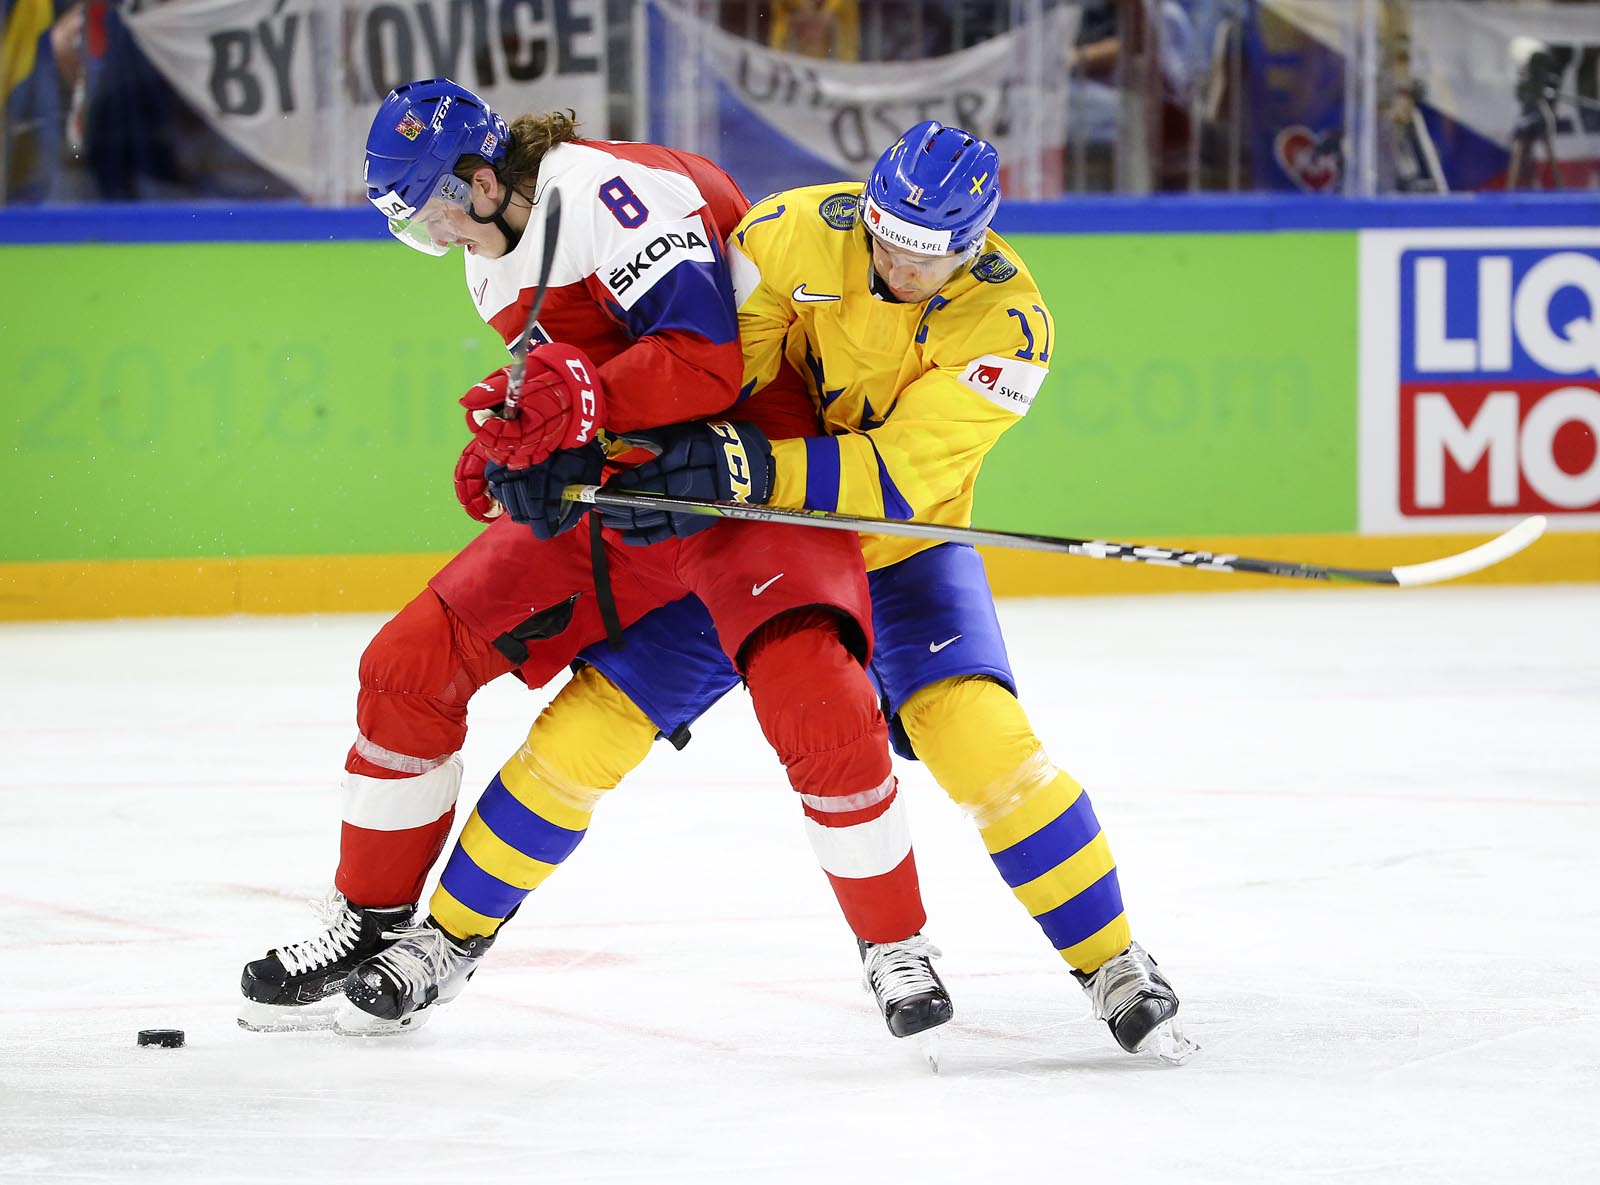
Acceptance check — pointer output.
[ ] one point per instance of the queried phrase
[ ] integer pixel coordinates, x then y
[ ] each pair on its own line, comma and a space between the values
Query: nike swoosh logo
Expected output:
757, 589
805, 297
480, 290
935, 647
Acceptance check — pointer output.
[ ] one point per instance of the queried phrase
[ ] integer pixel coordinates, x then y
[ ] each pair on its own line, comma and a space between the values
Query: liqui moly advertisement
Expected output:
1480, 379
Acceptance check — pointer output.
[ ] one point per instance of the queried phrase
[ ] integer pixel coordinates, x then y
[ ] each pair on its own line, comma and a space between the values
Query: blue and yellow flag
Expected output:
26, 23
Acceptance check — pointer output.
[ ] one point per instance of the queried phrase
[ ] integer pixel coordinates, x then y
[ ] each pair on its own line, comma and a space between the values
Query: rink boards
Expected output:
211, 417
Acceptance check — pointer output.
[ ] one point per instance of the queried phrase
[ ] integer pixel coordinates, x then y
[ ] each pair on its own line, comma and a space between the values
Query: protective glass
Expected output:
417, 228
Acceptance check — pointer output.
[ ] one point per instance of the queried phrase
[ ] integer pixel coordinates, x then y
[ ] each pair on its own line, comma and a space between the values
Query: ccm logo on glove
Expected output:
561, 404
733, 456
588, 410
707, 462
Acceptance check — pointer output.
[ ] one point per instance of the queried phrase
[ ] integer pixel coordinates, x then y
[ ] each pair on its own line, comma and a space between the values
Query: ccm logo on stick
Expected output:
1499, 403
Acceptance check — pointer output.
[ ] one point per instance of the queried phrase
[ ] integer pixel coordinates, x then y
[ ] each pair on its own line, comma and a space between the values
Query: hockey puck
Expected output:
164, 1038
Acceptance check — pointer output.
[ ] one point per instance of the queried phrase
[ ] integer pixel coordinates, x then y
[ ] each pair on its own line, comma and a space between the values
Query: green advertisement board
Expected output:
234, 400
298, 399
1202, 385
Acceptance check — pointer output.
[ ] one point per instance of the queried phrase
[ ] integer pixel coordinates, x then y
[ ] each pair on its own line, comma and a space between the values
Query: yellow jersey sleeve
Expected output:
983, 365
919, 464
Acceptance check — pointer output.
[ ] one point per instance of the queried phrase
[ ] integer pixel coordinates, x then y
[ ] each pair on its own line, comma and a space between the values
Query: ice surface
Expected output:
1359, 829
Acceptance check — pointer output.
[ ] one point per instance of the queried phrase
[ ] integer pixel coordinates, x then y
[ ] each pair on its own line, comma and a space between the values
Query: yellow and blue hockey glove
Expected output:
715, 461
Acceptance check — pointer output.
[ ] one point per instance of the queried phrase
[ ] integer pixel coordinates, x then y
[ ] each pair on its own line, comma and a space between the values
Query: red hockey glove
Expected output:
472, 488
561, 405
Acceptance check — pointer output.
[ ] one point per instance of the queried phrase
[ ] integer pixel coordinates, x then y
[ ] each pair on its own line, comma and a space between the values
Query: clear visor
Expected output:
423, 229
910, 271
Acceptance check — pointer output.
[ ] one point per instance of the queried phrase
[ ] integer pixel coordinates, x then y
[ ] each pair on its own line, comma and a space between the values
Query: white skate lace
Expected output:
898, 970
422, 958
338, 940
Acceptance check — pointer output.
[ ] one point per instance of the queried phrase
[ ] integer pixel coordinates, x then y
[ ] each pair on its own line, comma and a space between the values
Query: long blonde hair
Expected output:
531, 137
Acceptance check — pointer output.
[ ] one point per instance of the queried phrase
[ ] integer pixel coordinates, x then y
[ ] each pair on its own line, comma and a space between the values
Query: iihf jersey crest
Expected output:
994, 268
839, 210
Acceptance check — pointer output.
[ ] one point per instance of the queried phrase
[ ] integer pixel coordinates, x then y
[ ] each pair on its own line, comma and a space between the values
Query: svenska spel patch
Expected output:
893, 229
1005, 382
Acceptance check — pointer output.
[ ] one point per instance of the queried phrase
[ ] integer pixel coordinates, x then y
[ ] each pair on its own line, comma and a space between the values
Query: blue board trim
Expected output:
261, 222
1159, 213
1189, 213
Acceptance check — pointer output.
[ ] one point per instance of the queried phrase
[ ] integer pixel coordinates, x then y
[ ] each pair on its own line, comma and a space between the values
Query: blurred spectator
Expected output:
144, 142
972, 21
1092, 101
816, 28
41, 69
87, 117
905, 30
1095, 49
129, 129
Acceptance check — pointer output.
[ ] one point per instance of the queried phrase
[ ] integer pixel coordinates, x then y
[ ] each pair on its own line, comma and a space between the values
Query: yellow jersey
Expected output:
911, 396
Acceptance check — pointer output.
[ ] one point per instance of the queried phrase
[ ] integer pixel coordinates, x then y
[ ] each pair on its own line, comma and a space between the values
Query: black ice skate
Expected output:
297, 986
397, 989
909, 992
1138, 1004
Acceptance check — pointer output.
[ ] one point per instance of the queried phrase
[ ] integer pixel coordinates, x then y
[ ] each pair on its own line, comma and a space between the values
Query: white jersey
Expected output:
639, 281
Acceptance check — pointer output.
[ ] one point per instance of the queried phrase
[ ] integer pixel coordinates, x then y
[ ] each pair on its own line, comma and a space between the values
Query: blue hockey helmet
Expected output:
934, 192
419, 133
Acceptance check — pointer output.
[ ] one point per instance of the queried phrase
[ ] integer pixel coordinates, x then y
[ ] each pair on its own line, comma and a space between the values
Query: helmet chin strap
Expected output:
876, 284
879, 287
498, 218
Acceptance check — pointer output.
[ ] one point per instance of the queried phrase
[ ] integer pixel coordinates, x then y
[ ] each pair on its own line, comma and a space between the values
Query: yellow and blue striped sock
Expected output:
1036, 821
535, 811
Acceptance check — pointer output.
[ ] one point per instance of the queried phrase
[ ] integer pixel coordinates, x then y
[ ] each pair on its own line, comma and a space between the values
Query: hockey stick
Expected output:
552, 228
1407, 575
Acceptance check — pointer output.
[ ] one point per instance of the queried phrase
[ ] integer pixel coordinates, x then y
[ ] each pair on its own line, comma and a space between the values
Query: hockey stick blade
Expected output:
1485, 555
552, 229
1449, 567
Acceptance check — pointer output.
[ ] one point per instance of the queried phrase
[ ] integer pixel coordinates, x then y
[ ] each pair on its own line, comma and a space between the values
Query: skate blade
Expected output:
1167, 1043
281, 1018
928, 1046
350, 1021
